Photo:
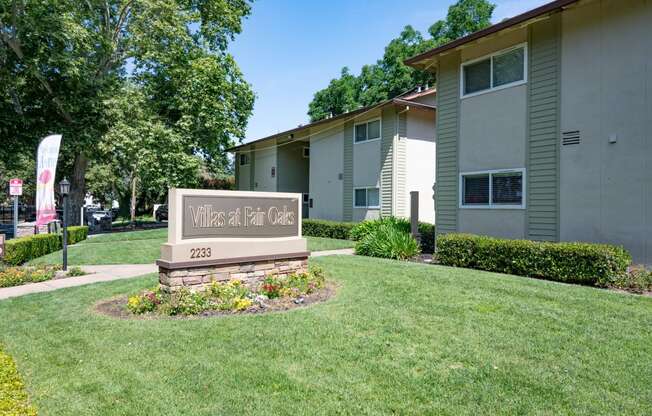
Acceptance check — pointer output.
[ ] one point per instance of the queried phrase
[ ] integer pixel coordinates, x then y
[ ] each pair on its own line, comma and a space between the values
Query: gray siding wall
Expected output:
606, 186
448, 93
543, 130
401, 193
387, 160
347, 173
252, 168
292, 171
236, 169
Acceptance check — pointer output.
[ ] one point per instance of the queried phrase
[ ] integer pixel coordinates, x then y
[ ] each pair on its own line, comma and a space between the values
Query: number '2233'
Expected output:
200, 253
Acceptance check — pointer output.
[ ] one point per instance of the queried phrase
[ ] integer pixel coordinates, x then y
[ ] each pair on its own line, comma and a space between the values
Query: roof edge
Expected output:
505, 24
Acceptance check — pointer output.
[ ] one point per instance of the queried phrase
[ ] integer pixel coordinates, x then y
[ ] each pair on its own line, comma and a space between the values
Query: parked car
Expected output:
99, 221
162, 213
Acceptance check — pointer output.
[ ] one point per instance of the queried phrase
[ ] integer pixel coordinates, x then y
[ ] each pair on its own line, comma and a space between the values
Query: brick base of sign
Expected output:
251, 273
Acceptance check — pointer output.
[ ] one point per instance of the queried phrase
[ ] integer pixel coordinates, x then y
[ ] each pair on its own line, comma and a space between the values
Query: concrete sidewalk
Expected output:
107, 273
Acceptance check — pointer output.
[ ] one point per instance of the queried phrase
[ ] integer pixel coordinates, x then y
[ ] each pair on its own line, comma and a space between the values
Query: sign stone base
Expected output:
251, 272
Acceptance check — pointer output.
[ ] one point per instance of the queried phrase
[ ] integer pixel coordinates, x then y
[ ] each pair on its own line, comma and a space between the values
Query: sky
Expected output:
289, 49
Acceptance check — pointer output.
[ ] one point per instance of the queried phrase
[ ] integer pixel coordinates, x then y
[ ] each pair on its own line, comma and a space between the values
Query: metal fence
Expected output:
26, 213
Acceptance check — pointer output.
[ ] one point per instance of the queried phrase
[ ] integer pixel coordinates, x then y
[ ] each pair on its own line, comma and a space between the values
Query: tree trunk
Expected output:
77, 188
132, 206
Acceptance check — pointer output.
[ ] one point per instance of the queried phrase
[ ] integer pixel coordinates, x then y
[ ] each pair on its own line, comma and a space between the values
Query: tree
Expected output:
338, 98
389, 77
143, 155
63, 60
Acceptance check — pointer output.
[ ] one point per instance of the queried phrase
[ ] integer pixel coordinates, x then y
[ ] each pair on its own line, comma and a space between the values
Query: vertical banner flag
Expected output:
46, 167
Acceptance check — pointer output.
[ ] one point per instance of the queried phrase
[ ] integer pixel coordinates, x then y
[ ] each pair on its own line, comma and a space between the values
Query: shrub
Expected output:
637, 280
388, 241
364, 228
13, 397
426, 230
185, 302
14, 276
327, 229
145, 302
23, 249
77, 234
584, 263
75, 272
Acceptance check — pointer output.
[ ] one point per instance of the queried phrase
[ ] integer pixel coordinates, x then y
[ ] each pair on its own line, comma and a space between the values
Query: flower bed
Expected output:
274, 293
15, 276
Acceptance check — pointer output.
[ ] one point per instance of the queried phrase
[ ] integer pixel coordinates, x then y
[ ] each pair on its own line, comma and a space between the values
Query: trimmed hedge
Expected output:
23, 249
327, 229
77, 234
585, 263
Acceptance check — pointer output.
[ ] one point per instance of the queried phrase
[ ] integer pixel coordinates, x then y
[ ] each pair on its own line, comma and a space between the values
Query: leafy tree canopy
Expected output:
64, 62
389, 77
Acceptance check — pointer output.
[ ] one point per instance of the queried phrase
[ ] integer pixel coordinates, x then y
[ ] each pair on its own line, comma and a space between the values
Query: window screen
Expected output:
477, 76
360, 198
360, 132
509, 67
373, 197
373, 130
507, 188
476, 189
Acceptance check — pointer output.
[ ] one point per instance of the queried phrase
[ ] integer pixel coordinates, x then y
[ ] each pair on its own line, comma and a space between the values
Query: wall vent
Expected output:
569, 138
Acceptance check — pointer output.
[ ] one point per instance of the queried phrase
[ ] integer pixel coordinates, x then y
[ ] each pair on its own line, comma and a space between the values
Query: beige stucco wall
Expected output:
326, 165
492, 136
265, 156
606, 188
421, 156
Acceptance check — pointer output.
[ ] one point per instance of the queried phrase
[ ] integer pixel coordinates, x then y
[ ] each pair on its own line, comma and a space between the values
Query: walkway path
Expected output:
107, 273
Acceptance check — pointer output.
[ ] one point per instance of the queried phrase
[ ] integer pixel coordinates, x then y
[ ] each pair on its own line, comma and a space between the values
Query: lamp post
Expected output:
64, 189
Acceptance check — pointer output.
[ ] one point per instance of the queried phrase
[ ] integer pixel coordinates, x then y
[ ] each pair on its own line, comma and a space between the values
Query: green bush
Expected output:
586, 263
362, 229
14, 276
77, 234
327, 229
24, 249
637, 280
388, 241
13, 395
21, 250
426, 230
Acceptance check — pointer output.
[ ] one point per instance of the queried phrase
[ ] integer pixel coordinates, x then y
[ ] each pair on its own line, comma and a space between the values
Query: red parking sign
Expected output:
15, 187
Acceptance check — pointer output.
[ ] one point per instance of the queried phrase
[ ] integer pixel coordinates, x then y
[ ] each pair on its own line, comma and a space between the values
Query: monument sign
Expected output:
223, 235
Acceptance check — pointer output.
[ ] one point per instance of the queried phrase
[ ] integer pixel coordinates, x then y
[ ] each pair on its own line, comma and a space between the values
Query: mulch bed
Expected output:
117, 307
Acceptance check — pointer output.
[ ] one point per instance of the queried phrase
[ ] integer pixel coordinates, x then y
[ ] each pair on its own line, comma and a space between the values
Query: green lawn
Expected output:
398, 339
141, 247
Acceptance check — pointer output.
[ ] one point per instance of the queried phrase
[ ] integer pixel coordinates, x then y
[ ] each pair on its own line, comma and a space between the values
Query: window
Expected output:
244, 159
499, 70
306, 198
366, 198
367, 131
273, 171
493, 189
306, 152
